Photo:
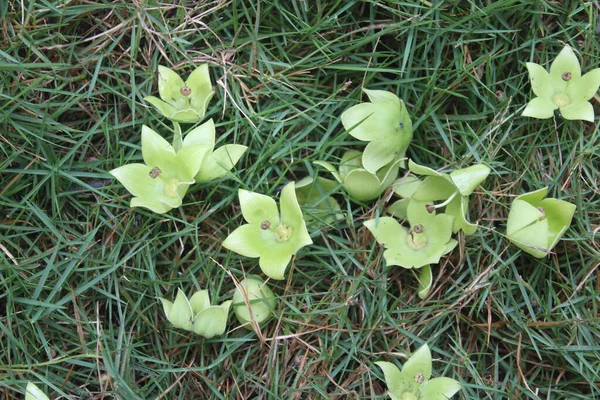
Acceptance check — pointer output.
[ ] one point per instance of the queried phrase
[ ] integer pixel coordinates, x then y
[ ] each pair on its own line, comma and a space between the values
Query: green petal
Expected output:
406, 186
386, 230
418, 363
396, 382
541, 82
451, 245
202, 134
169, 86
186, 116
329, 168
274, 262
521, 214
32, 392
156, 151
253, 295
388, 174
581, 110
202, 92
467, 179
249, 241
422, 170
534, 198
540, 108
559, 214
532, 239
584, 88
439, 389
164, 108
221, 161
167, 305
212, 321
181, 312
369, 121
190, 159
258, 208
152, 204
434, 188
136, 179
425, 281
199, 301
291, 215
399, 209
566, 61
379, 153
417, 213
351, 160
362, 185
458, 207
379, 96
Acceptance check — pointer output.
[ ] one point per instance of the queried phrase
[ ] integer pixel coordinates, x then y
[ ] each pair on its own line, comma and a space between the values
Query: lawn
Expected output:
81, 272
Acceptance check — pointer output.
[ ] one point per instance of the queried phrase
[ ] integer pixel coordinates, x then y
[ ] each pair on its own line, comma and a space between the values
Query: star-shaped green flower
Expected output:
184, 102
269, 235
427, 240
413, 382
563, 88
452, 189
357, 181
164, 179
536, 224
384, 123
196, 314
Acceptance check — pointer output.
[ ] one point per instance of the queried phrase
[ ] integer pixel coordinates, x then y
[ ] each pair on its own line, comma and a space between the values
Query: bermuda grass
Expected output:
81, 272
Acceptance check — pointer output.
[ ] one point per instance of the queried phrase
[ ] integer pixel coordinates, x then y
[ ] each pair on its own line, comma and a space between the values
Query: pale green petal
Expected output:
379, 153
351, 160
467, 179
154, 205
186, 116
521, 214
199, 301
274, 262
169, 86
396, 382
458, 207
291, 215
425, 281
386, 230
253, 294
418, 363
406, 186
585, 88
201, 89
388, 174
221, 161
535, 197
559, 214
434, 188
379, 96
32, 392
190, 158
370, 121
156, 151
180, 315
136, 179
399, 209
212, 321
581, 110
541, 82
417, 213
540, 108
439, 389
202, 134
258, 208
167, 305
164, 108
362, 185
532, 239
566, 61
250, 240
451, 245
422, 170
330, 168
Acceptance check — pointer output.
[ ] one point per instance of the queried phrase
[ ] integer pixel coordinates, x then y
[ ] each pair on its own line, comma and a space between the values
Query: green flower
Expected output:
164, 179
452, 189
413, 382
384, 123
218, 162
314, 193
272, 237
196, 314
32, 392
253, 301
563, 88
357, 181
183, 101
427, 240
536, 224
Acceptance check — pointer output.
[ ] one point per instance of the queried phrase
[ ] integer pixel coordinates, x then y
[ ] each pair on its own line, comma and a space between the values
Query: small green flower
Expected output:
413, 382
384, 123
196, 314
272, 237
536, 224
161, 183
452, 189
427, 240
563, 88
32, 392
314, 193
253, 301
357, 181
184, 102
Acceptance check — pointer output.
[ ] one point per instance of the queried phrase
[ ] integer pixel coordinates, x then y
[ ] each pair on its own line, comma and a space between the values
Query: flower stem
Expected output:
177, 137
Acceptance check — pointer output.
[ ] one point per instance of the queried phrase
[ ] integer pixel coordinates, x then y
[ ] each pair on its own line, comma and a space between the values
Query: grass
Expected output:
80, 271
